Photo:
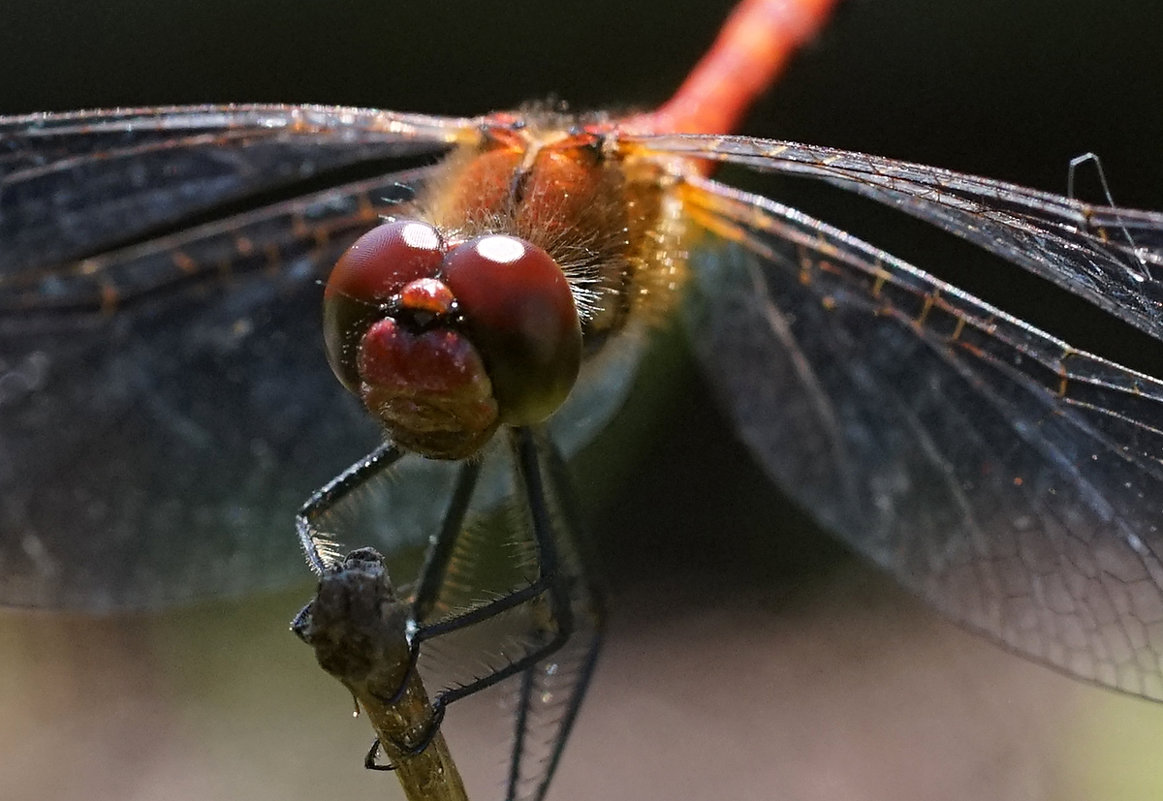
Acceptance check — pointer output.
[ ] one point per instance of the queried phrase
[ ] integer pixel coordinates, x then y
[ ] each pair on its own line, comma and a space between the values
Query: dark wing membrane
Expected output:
155, 451
1111, 257
72, 185
1009, 480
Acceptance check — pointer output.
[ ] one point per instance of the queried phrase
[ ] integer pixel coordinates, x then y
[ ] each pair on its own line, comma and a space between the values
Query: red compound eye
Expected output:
518, 312
376, 267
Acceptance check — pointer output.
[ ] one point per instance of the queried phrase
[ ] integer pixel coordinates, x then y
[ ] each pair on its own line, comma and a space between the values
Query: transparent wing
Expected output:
163, 401
155, 451
74, 184
1111, 257
1009, 480
166, 406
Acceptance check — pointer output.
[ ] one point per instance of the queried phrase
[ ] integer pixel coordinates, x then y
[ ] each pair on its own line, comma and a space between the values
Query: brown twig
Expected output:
357, 627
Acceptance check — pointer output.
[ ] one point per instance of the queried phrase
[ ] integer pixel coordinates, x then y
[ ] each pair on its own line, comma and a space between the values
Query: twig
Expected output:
357, 626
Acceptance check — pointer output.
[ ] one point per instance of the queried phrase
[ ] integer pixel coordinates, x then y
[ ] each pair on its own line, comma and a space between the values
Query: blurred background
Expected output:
749, 656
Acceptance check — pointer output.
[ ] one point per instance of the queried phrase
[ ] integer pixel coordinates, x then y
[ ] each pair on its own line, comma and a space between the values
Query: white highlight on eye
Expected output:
421, 236
500, 249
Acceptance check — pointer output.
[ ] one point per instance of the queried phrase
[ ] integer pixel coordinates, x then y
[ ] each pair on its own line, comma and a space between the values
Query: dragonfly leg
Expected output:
320, 550
564, 607
433, 575
370, 761
567, 674
551, 585
436, 562
299, 622
563, 600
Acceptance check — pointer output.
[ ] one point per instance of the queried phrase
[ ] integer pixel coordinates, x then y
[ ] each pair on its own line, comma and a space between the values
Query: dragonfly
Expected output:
1002, 475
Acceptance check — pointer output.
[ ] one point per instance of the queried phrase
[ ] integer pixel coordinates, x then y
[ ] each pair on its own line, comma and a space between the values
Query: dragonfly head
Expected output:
443, 341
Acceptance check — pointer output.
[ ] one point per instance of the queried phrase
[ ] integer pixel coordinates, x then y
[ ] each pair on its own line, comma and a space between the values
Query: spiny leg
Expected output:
317, 546
435, 567
551, 582
550, 585
435, 570
585, 599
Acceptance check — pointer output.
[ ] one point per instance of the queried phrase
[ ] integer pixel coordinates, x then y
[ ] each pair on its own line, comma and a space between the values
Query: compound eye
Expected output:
374, 269
518, 311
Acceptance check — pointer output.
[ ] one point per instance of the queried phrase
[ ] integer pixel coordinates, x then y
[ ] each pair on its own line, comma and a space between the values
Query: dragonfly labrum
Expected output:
1002, 475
